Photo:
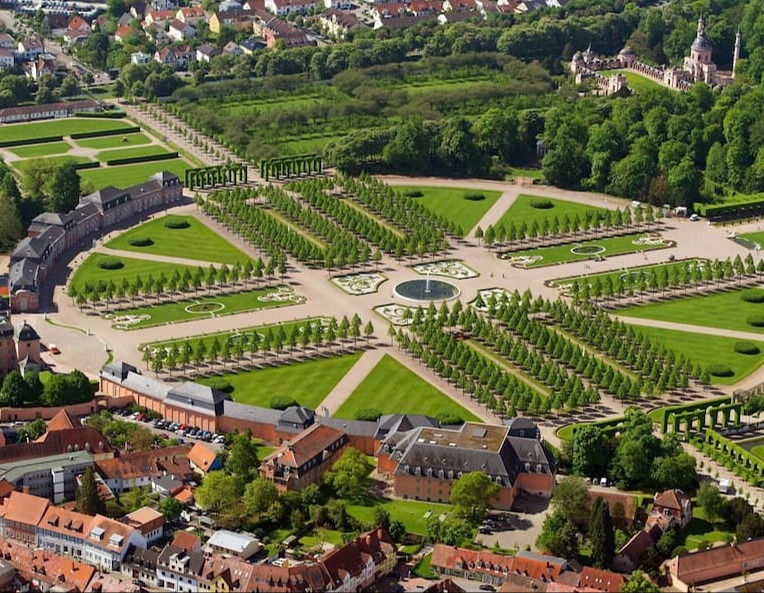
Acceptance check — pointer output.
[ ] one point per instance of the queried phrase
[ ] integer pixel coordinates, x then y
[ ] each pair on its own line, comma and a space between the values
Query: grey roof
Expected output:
118, 368
6, 327
358, 428
144, 385
105, 197
27, 333
541, 558
297, 415
15, 470
52, 218
390, 423
83, 211
233, 409
167, 483
522, 427
197, 397
530, 450
31, 247
207, 50
23, 274
195, 559
230, 540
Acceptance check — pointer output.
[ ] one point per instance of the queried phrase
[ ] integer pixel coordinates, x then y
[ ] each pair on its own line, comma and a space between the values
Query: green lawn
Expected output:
38, 150
391, 388
450, 203
60, 127
532, 173
318, 537
173, 312
707, 349
125, 176
658, 414
89, 272
522, 211
423, 569
307, 382
410, 512
561, 254
636, 81
197, 241
700, 529
117, 141
724, 310
53, 159
128, 153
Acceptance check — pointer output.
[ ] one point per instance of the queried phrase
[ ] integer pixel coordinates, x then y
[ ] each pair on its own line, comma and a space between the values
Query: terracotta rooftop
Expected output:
187, 541
61, 421
718, 563
202, 456
25, 508
305, 446
142, 516
601, 580
67, 522
671, 499
146, 463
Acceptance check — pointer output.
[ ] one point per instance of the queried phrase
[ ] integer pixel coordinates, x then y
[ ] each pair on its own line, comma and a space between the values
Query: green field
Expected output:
172, 312
197, 241
450, 203
38, 150
124, 176
410, 512
230, 335
117, 141
532, 173
561, 254
391, 388
624, 274
53, 159
89, 272
522, 211
307, 382
707, 349
129, 153
636, 81
754, 237
725, 310
60, 127
700, 530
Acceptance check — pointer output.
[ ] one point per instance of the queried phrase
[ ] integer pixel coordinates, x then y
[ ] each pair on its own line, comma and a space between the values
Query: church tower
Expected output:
736, 55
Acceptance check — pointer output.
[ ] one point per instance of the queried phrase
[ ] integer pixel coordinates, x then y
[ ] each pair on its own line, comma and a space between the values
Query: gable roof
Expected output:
718, 563
671, 499
601, 580
305, 446
25, 508
202, 456
186, 541
61, 421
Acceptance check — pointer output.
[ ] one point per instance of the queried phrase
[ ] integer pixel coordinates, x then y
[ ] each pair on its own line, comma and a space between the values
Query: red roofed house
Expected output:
191, 15
628, 556
601, 580
61, 421
360, 563
304, 459
78, 30
203, 459
716, 564
21, 514
187, 541
672, 509
122, 32
160, 17
148, 521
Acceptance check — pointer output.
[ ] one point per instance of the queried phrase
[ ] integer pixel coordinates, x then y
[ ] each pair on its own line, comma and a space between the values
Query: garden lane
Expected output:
350, 382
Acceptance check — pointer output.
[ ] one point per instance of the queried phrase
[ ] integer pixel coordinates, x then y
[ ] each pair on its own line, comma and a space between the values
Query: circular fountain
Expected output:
426, 290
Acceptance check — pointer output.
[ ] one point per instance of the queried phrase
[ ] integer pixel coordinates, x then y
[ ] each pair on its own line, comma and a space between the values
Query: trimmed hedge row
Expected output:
144, 159
140, 242
25, 141
753, 295
111, 263
90, 165
102, 115
129, 130
739, 210
746, 348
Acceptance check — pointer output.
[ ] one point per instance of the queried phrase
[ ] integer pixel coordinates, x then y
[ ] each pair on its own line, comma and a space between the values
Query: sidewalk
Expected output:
350, 382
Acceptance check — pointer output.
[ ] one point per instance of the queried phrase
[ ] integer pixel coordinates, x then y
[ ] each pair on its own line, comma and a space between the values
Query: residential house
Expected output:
138, 10
179, 569
205, 52
125, 19
160, 17
7, 58
141, 564
629, 555
689, 572
387, 11
163, 5
461, 5
362, 562
204, 459
424, 7
42, 570
42, 66
280, 31
251, 45
338, 4
239, 544
337, 23
191, 15
21, 513
157, 34
138, 468
284, 7
78, 31
672, 509
111, 583
180, 31
304, 459
30, 49
239, 20
177, 57
140, 58
149, 522
122, 33
6, 41
600, 580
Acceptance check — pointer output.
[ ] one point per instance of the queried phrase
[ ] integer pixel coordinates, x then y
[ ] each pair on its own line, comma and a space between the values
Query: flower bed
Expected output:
396, 314
452, 268
484, 297
357, 284
283, 294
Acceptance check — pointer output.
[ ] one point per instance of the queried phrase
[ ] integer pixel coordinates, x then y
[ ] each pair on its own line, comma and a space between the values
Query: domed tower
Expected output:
577, 62
28, 344
627, 56
700, 50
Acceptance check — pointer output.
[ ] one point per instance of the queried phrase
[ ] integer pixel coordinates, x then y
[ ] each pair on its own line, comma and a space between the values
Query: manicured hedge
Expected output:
130, 130
111, 263
176, 223
542, 204
413, 193
746, 348
144, 159
140, 242
720, 370
730, 211
474, 197
755, 320
282, 402
369, 414
25, 141
754, 295
102, 114
220, 384
88, 165
450, 419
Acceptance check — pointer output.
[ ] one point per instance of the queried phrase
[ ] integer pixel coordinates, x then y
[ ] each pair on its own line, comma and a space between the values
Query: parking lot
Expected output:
517, 528
168, 430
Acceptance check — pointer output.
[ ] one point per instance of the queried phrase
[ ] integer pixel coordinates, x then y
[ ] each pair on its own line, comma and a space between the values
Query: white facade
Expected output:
7, 59
284, 7
140, 58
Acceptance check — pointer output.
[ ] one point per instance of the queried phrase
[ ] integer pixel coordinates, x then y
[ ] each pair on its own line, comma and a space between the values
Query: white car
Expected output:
694, 218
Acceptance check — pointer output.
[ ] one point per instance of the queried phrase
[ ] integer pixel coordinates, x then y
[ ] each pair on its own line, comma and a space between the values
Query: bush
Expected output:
220, 384
111, 263
449, 418
140, 241
282, 402
746, 348
370, 414
755, 320
719, 370
542, 204
177, 223
413, 193
754, 295
474, 197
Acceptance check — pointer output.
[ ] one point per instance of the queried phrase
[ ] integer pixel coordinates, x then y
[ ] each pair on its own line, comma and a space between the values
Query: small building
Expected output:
148, 522
688, 572
193, 15
672, 509
140, 58
284, 7
205, 52
7, 58
239, 544
337, 23
204, 459
180, 31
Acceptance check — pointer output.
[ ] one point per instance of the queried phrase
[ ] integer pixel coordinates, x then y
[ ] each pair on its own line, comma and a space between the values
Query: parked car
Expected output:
487, 587
53, 349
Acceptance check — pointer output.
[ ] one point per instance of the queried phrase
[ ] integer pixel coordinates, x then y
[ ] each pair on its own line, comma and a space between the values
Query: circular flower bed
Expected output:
111, 263
542, 204
283, 294
140, 242
746, 348
396, 314
203, 308
720, 370
754, 295
587, 249
176, 223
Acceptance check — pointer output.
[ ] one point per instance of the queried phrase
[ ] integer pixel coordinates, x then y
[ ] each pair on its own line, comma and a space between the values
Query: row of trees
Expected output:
189, 279
58, 389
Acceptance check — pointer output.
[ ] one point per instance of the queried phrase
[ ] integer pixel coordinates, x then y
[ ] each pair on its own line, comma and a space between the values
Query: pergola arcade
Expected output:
230, 173
291, 166
704, 418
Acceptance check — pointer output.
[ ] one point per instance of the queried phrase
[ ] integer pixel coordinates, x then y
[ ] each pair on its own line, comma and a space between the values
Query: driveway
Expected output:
519, 527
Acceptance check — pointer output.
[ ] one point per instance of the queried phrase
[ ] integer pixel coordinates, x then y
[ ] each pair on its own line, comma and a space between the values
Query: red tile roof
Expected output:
306, 445
25, 508
202, 456
449, 557
62, 420
670, 499
718, 563
601, 580
187, 541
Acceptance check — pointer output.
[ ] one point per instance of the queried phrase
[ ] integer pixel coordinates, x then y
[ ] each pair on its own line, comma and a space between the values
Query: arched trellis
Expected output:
291, 166
227, 174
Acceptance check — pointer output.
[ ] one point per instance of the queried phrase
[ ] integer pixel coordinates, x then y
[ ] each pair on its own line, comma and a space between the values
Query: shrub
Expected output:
413, 193
449, 418
719, 370
746, 348
111, 263
542, 204
140, 241
220, 384
474, 197
370, 414
755, 320
282, 402
753, 295
177, 223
